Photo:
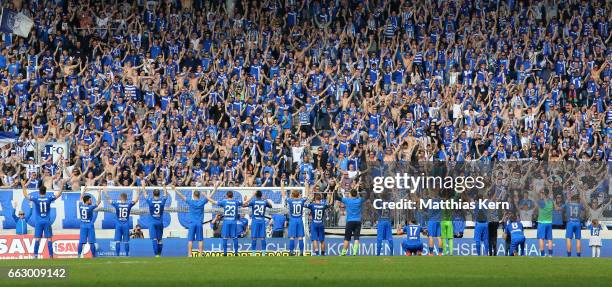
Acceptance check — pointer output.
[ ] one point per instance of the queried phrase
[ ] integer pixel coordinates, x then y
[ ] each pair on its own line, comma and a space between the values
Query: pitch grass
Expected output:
321, 271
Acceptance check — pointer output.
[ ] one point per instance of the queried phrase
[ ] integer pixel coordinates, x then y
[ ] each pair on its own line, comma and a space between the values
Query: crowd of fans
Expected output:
255, 92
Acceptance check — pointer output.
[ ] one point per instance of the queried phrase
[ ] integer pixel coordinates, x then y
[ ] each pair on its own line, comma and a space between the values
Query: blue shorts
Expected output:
258, 229
228, 230
458, 226
122, 231
156, 230
42, 228
196, 232
317, 232
515, 243
545, 231
296, 228
434, 229
481, 232
411, 246
87, 234
572, 230
384, 230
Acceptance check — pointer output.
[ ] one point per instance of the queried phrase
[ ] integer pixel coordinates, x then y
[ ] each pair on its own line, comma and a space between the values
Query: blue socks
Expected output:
155, 247
391, 246
549, 252
301, 242
50, 246
80, 249
478, 250
235, 246
224, 246
378, 247
36, 247
263, 245
291, 246
117, 248
431, 249
254, 245
542, 253
578, 254
92, 246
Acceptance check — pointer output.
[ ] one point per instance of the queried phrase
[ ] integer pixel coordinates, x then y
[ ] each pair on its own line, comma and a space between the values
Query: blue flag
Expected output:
15, 23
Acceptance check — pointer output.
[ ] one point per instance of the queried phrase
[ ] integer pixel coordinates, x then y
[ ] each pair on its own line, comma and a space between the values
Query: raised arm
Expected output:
108, 199
138, 191
209, 196
179, 194
24, 184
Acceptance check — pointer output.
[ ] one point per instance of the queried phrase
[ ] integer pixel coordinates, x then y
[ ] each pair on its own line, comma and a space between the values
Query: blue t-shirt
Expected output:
122, 210
296, 207
413, 234
196, 210
156, 208
230, 209
42, 205
258, 209
353, 208
86, 212
317, 211
278, 222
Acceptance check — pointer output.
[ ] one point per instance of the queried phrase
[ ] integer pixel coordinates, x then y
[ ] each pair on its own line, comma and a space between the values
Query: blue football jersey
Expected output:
317, 211
123, 210
230, 208
296, 207
156, 207
86, 212
42, 205
515, 229
413, 233
258, 209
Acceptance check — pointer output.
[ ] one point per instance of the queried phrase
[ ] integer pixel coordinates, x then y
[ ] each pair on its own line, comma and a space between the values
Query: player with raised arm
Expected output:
230, 215
123, 208
295, 204
514, 230
156, 209
412, 245
42, 217
87, 216
352, 204
573, 228
317, 227
258, 206
545, 211
196, 218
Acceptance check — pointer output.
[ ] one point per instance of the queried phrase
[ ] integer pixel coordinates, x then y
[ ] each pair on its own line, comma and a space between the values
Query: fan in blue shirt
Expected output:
21, 220
196, 217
